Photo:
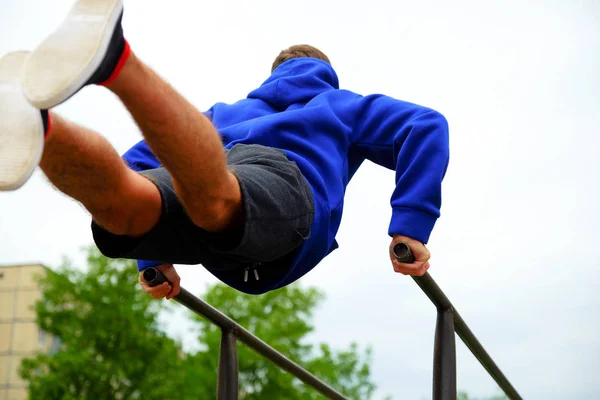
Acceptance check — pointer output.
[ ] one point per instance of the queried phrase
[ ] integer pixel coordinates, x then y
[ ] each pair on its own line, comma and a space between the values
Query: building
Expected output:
19, 335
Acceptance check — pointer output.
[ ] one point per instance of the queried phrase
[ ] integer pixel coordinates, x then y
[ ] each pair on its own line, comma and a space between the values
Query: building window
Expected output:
42, 338
55, 345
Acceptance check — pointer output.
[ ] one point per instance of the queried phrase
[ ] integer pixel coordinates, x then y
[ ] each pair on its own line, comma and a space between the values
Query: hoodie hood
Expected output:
296, 81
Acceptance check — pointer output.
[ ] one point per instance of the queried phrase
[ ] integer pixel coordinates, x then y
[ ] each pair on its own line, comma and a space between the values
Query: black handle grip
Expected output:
403, 253
154, 277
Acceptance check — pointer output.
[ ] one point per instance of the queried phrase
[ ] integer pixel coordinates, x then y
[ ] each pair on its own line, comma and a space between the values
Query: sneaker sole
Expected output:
64, 62
21, 126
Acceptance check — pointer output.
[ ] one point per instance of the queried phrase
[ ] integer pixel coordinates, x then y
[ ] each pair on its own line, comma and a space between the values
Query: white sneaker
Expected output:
22, 126
87, 48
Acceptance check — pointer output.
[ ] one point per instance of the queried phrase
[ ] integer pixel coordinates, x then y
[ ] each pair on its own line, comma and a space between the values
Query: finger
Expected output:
153, 289
407, 269
400, 270
146, 287
159, 291
423, 269
422, 257
162, 292
176, 288
415, 269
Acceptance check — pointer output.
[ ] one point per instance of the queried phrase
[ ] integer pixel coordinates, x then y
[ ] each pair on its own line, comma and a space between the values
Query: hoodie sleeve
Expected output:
141, 158
413, 141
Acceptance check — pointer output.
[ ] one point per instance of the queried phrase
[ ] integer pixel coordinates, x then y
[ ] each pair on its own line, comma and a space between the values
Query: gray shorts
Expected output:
279, 211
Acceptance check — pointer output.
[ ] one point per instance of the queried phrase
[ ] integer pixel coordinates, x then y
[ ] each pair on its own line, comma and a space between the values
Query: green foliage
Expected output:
111, 344
113, 348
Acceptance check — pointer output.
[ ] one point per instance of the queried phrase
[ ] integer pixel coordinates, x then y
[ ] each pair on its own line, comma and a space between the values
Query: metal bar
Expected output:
426, 283
227, 380
437, 297
444, 357
433, 291
205, 310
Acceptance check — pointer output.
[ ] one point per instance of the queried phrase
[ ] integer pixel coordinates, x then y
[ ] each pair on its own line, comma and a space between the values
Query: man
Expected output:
253, 191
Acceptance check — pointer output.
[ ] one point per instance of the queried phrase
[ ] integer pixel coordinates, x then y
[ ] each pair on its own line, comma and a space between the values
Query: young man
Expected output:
253, 191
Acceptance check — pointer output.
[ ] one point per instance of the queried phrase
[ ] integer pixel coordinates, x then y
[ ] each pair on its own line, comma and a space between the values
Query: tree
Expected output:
113, 348
111, 345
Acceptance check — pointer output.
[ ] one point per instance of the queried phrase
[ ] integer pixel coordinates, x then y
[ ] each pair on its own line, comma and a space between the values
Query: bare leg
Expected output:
83, 165
186, 143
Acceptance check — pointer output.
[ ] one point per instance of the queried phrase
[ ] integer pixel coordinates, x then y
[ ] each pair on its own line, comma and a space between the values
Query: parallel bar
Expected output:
437, 297
205, 310
426, 283
444, 357
433, 291
227, 380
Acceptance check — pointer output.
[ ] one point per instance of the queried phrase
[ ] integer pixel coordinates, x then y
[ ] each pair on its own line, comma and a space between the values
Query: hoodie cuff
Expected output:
412, 223
143, 264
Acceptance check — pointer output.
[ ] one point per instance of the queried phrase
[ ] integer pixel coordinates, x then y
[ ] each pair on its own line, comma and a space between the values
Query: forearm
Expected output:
420, 169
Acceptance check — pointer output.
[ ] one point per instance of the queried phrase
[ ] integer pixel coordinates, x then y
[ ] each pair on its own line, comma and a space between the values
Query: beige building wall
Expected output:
19, 334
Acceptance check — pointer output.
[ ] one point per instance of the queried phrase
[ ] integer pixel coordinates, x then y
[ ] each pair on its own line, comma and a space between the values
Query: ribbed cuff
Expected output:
143, 264
413, 223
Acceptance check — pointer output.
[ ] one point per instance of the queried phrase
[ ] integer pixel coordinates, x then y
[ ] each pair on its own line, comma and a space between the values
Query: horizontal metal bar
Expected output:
437, 297
215, 316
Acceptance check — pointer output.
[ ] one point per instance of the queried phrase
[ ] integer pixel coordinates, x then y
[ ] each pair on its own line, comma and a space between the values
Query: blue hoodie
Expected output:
329, 132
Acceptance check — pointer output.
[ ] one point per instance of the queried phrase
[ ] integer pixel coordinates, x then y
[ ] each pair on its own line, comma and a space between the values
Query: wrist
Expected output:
397, 238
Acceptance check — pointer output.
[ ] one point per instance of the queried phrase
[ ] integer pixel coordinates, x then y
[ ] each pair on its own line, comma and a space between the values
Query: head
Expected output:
299, 51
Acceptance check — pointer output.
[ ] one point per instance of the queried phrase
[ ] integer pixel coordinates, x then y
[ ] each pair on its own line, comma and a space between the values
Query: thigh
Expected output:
174, 239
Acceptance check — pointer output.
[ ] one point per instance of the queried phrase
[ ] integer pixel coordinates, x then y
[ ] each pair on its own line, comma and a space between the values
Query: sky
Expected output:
516, 249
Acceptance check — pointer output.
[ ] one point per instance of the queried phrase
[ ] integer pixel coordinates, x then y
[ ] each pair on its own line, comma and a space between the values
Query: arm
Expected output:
413, 141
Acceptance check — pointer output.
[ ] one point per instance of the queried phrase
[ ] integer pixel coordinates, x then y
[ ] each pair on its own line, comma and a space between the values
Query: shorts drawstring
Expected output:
254, 269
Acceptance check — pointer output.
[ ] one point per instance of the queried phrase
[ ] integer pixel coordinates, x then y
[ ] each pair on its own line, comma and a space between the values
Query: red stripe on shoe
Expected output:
122, 60
49, 128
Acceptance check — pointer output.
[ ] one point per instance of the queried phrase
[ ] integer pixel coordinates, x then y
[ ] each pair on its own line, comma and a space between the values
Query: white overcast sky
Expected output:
516, 249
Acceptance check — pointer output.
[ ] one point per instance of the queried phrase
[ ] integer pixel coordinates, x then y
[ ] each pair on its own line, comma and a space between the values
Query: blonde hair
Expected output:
299, 51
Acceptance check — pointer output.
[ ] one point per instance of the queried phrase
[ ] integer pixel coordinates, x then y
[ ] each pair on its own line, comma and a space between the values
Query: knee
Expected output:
213, 211
130, 214
214, 215
118, 222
